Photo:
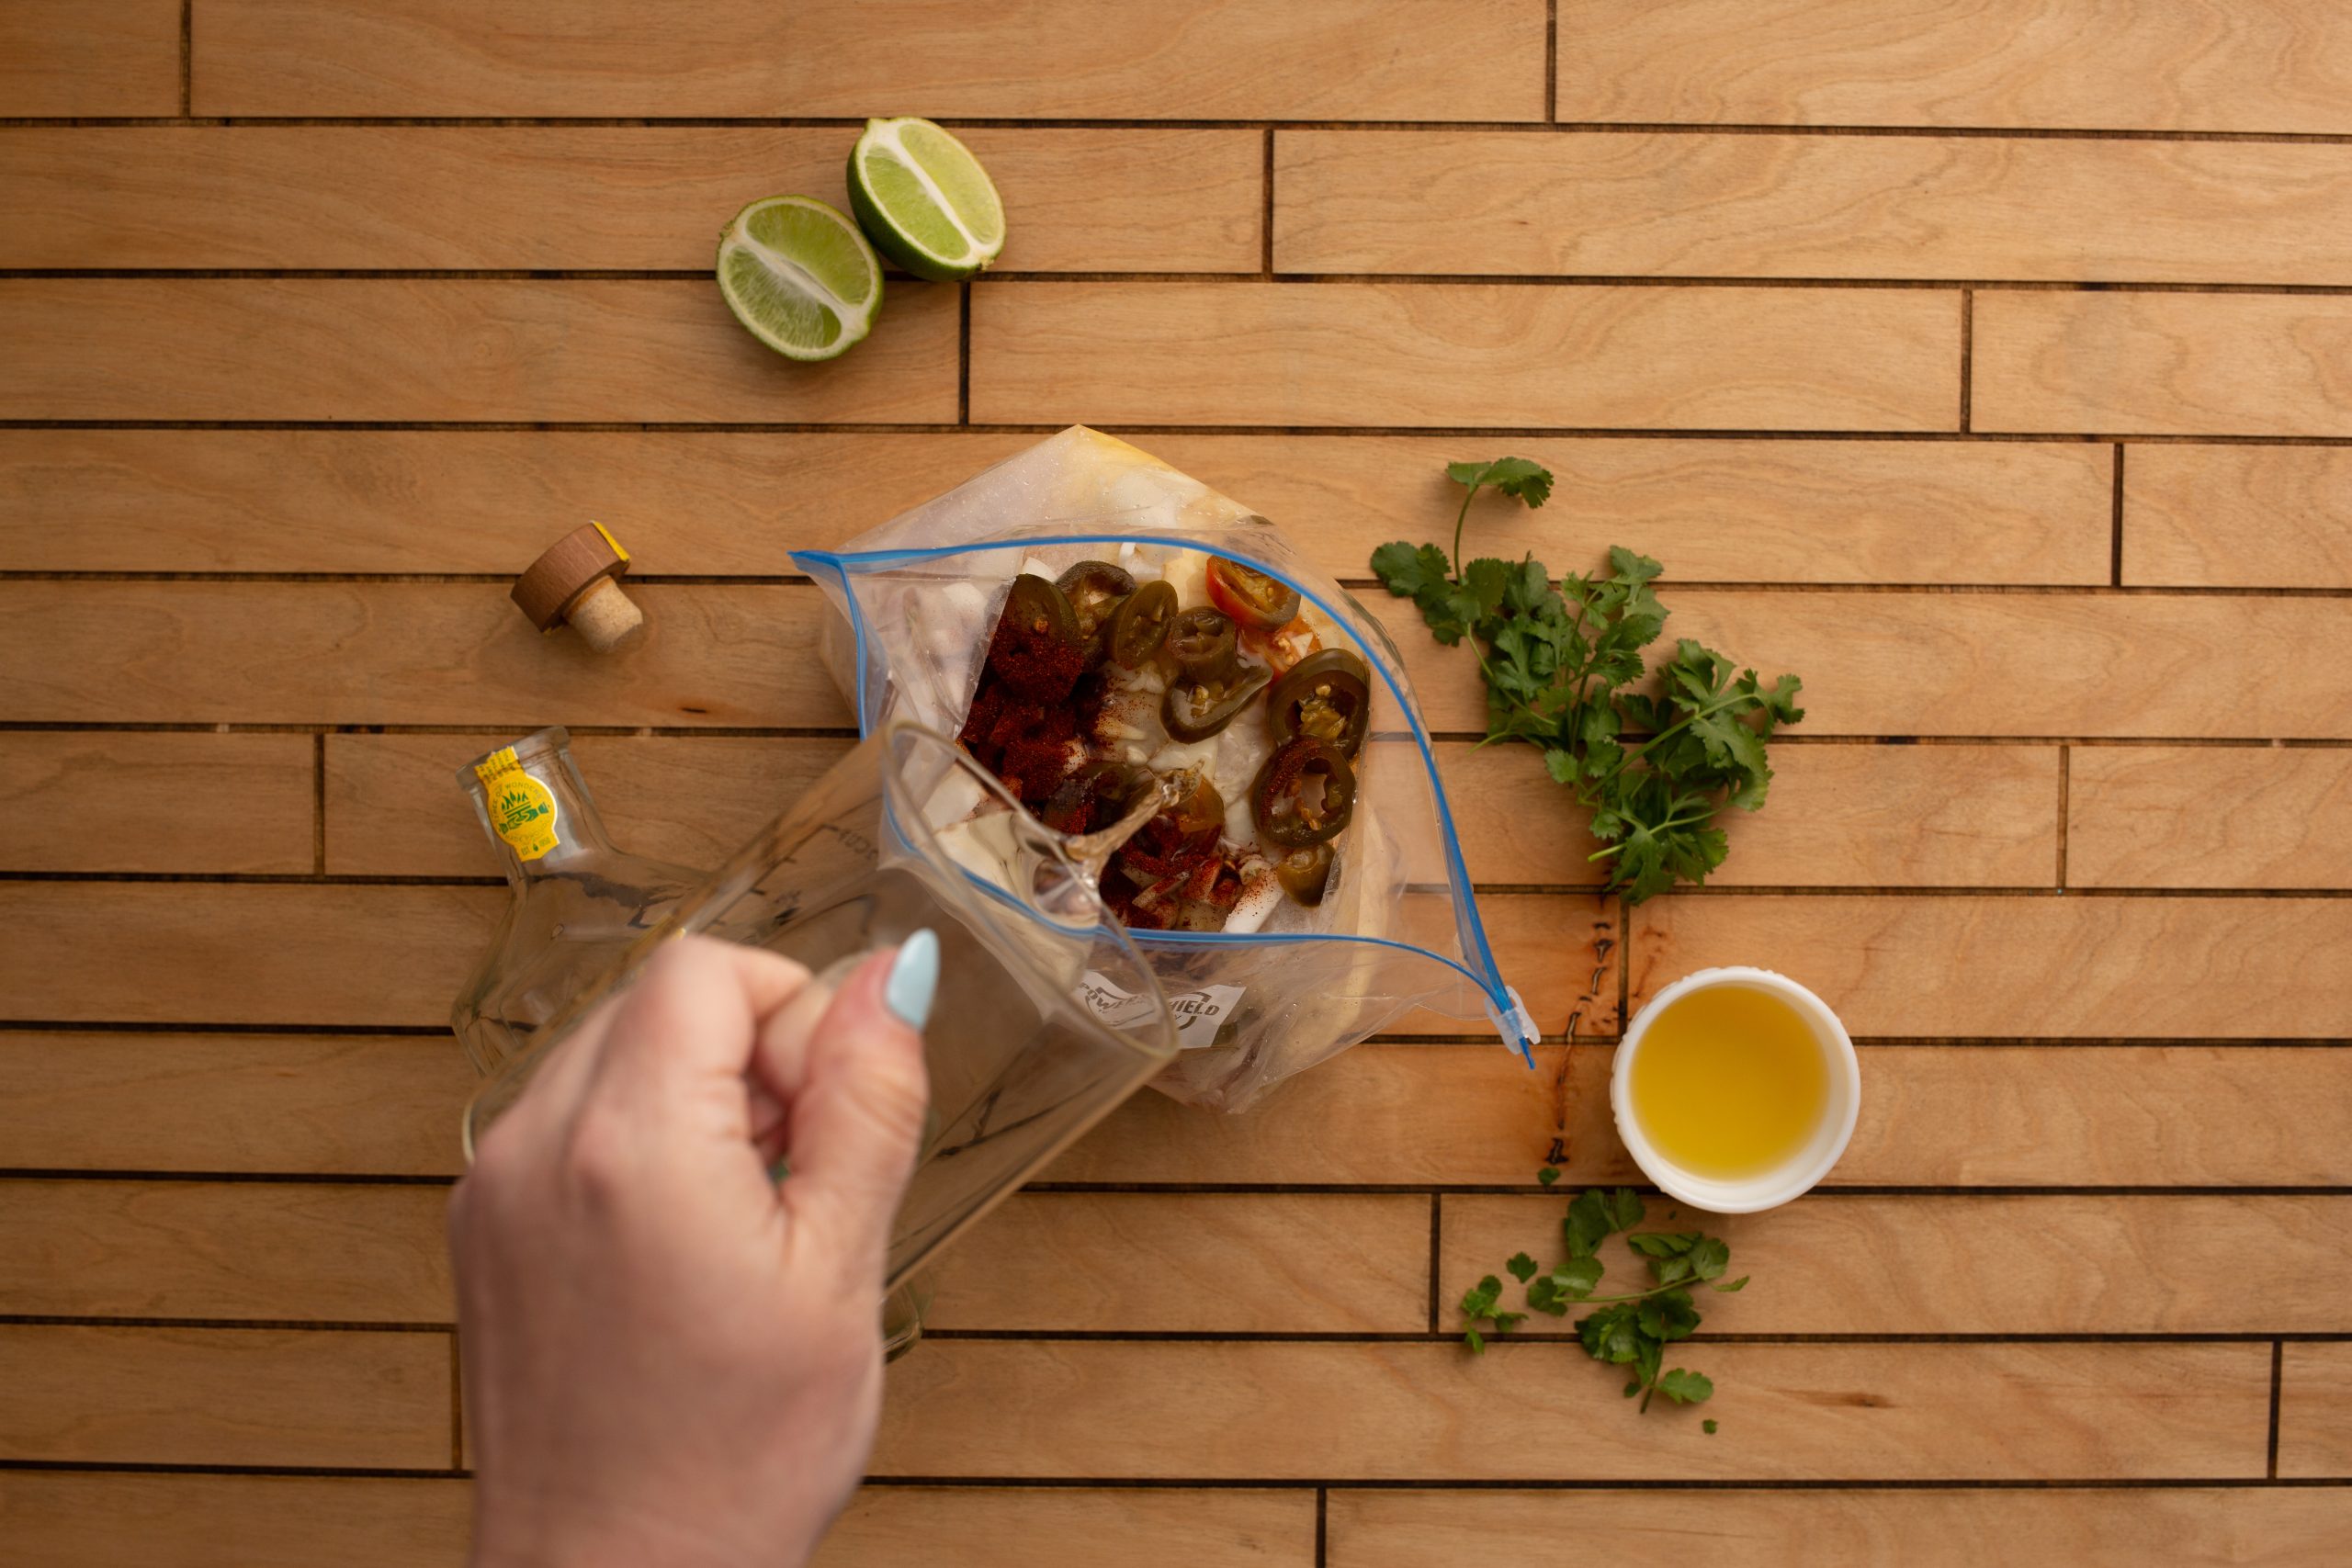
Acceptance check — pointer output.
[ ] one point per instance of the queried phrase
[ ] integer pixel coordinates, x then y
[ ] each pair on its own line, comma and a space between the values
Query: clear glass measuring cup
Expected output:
1047, 1016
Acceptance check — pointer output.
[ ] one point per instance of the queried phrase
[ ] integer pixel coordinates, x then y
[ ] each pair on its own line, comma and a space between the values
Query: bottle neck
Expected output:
538, 812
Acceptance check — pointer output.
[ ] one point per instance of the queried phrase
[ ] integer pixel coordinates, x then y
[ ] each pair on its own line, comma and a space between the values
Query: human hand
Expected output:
670, 1357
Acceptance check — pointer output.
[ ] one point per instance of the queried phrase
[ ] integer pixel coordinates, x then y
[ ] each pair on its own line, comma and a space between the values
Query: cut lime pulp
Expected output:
797, 273
925, 200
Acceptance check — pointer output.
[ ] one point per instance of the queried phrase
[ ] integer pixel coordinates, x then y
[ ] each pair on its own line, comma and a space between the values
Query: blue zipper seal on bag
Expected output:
1508, 1013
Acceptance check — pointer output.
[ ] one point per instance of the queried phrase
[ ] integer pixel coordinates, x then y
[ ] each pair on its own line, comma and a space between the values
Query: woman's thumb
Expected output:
857, 1122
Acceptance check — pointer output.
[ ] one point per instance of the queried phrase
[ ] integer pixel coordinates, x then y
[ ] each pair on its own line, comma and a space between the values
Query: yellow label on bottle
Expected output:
521, 810
609, 539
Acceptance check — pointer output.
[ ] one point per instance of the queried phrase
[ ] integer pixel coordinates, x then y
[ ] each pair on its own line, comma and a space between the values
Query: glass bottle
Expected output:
578, 902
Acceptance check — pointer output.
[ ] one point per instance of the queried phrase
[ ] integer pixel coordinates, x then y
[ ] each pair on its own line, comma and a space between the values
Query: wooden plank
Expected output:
1851, 816
2164, 363
2147, 817
393, 804
2032, 967
703, 502
1196, 1263
1043, 58
404, 653
371, 957
273, 1521
886, 1527
1810, 207
225, 1396
2122, 1528
69, 57
2151, 1264
2269, 65
2039, 664
1411, 355
235, 1521
1202, 1263
240, 953
171, 801
447, 349
573, 197
2315, 1410
243, 1103
1420, 1412
1837, 816
2237, 516
239, 1249
1407, 1116
747, 655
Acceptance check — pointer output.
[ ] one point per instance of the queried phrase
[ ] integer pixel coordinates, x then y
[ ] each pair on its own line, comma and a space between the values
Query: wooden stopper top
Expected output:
565, 569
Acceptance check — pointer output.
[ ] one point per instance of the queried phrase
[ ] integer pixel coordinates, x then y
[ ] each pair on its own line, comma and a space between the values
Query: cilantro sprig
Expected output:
1632, 1330
1565, 668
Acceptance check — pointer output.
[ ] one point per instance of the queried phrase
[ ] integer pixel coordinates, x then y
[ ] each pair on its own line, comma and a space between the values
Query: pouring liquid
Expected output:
1729, 1082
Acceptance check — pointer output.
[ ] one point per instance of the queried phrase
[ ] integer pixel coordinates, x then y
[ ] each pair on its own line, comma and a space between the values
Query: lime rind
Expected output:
800, 276
925, 200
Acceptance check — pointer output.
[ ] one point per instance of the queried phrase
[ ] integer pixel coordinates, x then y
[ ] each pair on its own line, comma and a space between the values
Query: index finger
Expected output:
693, 1018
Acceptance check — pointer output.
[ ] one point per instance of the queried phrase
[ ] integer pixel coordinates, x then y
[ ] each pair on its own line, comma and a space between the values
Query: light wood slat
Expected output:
225, 1396
273, 1521
1045, 1262
703, 502
403, 653
730, 655
448, 349
1809, 206
1852, 816
2316, 1411
2237, 516
235, 1521
242, 1103
576, 197
2207, 817
887, 1527
1044, 59
70, 57
90, 801
2124, 1528
2247, 65
393, 803
2164, 363
1386, 1115
238, 1250
2033, 968
1837, 816
2039, 664
269, 953
372, 956
1415, 354
1191, 1263
1989, 1264
1400, 1412
1960, 1115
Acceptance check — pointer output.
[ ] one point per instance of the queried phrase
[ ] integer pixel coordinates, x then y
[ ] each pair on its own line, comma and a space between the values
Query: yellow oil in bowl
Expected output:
1730, 1082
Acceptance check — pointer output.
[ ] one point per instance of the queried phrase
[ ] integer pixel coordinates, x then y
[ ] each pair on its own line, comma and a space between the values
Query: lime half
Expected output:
925, 199
799, 274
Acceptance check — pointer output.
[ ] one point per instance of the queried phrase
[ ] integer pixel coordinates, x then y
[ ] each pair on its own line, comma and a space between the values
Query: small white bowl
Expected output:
1795, 1176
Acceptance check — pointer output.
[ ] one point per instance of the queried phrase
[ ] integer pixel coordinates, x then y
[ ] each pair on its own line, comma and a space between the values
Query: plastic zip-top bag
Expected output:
1220, 890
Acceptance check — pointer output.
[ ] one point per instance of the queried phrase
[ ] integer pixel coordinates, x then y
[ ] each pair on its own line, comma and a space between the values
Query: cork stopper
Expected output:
577, 580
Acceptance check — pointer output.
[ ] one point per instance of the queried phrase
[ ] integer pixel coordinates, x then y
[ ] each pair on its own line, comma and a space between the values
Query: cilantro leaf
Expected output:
1707, 1426
1548, 1175
1668, 1315
1522, 1267
1624, 1208
1740, 1283
1476, 1341
1687, 1388
1576, 1278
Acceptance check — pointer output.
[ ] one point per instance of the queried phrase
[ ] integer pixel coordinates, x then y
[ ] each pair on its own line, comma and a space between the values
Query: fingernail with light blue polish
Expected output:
914, 979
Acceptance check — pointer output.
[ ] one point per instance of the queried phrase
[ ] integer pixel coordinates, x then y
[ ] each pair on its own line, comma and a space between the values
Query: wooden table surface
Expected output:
1988, 362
